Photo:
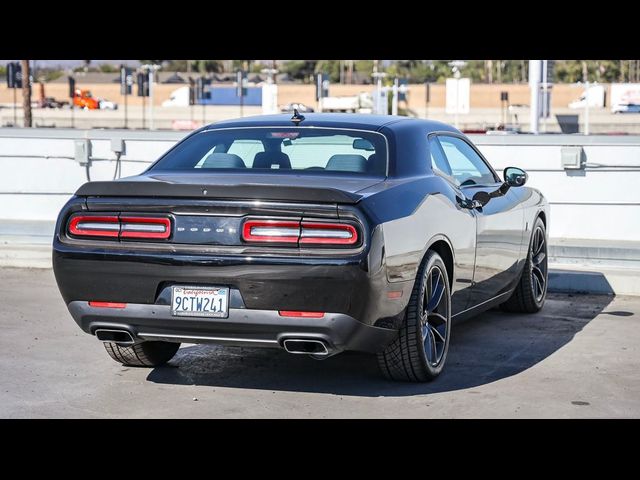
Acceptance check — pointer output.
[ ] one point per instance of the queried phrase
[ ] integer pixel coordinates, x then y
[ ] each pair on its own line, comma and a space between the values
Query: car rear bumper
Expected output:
353, 286
243, 327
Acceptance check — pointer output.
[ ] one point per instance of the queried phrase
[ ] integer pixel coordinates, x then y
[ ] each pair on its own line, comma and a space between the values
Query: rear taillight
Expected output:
271, 231
152, 228
328, 233
94, 226
303, 233
145, 227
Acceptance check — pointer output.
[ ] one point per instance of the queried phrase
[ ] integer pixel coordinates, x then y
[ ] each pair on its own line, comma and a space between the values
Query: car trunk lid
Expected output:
263, 187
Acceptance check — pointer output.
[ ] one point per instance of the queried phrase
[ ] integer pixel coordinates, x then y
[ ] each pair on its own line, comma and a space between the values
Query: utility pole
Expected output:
394, 99
586, 107
535, 71
26, 93
151, 69
545, 65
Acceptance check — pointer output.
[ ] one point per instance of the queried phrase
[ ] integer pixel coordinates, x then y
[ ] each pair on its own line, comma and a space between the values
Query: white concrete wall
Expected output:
38, 173
38, 170
601, 201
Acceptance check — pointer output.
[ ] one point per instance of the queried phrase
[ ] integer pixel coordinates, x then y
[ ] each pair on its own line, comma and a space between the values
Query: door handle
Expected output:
468, 203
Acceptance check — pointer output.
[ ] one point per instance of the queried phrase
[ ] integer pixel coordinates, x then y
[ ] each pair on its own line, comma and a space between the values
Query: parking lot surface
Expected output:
578, 357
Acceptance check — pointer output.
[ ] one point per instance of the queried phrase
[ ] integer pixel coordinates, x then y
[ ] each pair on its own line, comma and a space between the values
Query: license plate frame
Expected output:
194, 291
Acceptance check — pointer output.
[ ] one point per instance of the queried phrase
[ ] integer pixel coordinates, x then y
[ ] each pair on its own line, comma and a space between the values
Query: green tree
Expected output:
207, 66
332, 67
299, 69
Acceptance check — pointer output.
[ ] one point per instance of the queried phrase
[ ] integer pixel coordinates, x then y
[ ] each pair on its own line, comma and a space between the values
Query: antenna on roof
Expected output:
297, 118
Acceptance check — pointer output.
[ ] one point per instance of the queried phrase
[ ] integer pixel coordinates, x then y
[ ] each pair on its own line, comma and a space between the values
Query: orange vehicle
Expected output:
84, 99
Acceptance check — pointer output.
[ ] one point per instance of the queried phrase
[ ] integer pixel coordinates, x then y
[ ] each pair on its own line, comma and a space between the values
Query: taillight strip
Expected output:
145, 227
274, 231
328, 233
307, 233
120, 227
95, 226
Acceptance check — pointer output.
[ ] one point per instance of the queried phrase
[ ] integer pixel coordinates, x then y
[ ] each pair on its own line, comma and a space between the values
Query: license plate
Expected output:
200, 301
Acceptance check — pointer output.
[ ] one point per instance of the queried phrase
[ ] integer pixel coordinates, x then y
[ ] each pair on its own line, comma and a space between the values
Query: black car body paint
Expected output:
363, 289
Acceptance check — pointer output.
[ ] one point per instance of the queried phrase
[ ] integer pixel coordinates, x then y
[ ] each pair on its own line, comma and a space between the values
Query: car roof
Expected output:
361, 121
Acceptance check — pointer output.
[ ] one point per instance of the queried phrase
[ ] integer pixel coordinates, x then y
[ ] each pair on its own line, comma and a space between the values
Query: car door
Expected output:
499, 222
459, 225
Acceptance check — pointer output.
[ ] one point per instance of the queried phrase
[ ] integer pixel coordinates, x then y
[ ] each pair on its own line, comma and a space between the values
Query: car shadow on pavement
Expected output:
488, 348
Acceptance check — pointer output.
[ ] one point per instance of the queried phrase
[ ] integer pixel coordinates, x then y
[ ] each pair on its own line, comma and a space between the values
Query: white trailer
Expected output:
596, 95
178, 98
361, 103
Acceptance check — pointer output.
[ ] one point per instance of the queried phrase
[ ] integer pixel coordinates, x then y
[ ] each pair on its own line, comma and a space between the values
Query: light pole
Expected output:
544, 95
378, 76
270, 99
394, 100
586, 107
152, 68
534, 86
456, 65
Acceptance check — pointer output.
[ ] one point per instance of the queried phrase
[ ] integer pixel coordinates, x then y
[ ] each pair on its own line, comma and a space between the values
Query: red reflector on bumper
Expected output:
295, 313
107, 305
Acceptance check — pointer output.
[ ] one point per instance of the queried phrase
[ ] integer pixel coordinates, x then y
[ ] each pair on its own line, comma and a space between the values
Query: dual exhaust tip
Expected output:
306, 346
121, 337
298, 346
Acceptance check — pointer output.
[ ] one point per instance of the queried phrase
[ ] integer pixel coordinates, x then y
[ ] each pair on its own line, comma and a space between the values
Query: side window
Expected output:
467, 167
438, 160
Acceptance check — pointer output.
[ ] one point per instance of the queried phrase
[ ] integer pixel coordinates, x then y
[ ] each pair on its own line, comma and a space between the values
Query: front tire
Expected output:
531, 291
142, 354
419, 352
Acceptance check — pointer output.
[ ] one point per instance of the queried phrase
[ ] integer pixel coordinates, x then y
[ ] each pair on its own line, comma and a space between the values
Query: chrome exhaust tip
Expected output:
121, 337
306, 346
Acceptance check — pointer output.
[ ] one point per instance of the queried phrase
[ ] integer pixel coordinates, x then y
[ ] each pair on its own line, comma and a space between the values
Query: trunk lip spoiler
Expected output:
213, 192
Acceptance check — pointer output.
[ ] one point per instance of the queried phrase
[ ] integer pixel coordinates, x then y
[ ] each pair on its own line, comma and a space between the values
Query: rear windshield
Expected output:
279, 151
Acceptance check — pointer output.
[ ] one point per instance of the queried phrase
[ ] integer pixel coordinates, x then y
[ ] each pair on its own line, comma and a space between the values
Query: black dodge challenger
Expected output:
315, 235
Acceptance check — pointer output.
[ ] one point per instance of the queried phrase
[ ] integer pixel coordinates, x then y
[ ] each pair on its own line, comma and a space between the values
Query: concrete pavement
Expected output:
579, 357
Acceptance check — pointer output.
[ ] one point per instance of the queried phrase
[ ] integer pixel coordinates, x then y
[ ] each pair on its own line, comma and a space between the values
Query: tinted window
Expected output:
466, 166
280, 150
438, 160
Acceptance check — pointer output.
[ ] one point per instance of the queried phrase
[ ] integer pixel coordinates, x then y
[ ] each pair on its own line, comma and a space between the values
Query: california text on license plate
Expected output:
200, 301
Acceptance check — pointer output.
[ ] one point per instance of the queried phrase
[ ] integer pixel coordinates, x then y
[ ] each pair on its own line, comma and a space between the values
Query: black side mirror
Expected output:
515, 177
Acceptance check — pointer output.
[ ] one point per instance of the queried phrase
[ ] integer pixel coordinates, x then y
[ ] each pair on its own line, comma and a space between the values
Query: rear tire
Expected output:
531, 291
142, 354
419, 352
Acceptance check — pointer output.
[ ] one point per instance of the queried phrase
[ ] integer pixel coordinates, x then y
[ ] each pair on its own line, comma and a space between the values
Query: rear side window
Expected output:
466, 166
280, 151
438, 160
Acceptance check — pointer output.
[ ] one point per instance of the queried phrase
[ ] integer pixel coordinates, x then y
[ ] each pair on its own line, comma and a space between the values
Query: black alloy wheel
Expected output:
419, 352
531, 291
